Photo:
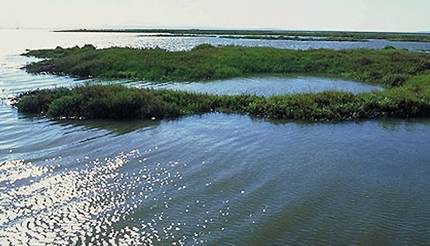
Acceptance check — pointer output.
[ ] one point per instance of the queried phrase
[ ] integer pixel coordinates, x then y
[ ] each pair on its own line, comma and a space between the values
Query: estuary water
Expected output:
265, 86
211, 179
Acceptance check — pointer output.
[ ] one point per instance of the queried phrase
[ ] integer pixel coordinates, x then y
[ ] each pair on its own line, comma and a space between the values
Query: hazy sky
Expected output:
386, 15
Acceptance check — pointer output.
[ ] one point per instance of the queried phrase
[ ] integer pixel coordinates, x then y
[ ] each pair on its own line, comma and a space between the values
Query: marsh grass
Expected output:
120, 102
206, 62
404, 74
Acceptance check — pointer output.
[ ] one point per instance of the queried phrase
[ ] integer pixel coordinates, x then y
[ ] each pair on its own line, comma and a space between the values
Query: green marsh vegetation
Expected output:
206, 62
406, 76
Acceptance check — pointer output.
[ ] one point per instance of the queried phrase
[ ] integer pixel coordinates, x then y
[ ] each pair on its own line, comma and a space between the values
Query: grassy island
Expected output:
206, 62
406, 76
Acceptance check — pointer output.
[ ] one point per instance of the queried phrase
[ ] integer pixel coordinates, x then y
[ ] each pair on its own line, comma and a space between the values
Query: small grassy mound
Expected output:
111, 102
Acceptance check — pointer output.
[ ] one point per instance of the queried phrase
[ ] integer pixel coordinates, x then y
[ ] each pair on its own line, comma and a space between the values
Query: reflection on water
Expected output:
16, 41
204, 179
265, 86
207, 179
115, 127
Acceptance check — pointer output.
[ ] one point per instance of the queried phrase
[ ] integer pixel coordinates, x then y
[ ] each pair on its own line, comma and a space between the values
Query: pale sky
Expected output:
360, 15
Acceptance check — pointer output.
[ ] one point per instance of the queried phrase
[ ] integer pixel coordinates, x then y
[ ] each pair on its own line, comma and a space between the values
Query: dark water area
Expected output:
205, 179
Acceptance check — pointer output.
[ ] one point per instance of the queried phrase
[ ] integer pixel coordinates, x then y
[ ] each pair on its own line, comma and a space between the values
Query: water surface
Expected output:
266, 86
19, 40
215, 178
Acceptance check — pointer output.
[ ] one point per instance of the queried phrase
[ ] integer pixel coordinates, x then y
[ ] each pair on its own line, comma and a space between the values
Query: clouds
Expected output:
286, 14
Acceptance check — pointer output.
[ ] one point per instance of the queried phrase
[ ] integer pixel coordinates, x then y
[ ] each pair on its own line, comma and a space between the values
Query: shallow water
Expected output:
204, 179
266, 86
19, 40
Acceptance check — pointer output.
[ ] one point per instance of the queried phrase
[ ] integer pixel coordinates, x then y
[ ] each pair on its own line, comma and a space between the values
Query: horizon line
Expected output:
132, 27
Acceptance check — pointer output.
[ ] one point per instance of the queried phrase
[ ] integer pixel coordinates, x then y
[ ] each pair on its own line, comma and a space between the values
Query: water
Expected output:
266, 86
19, 40
204, 179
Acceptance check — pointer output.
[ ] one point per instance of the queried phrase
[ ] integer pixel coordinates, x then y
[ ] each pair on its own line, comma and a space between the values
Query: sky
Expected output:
354, 15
